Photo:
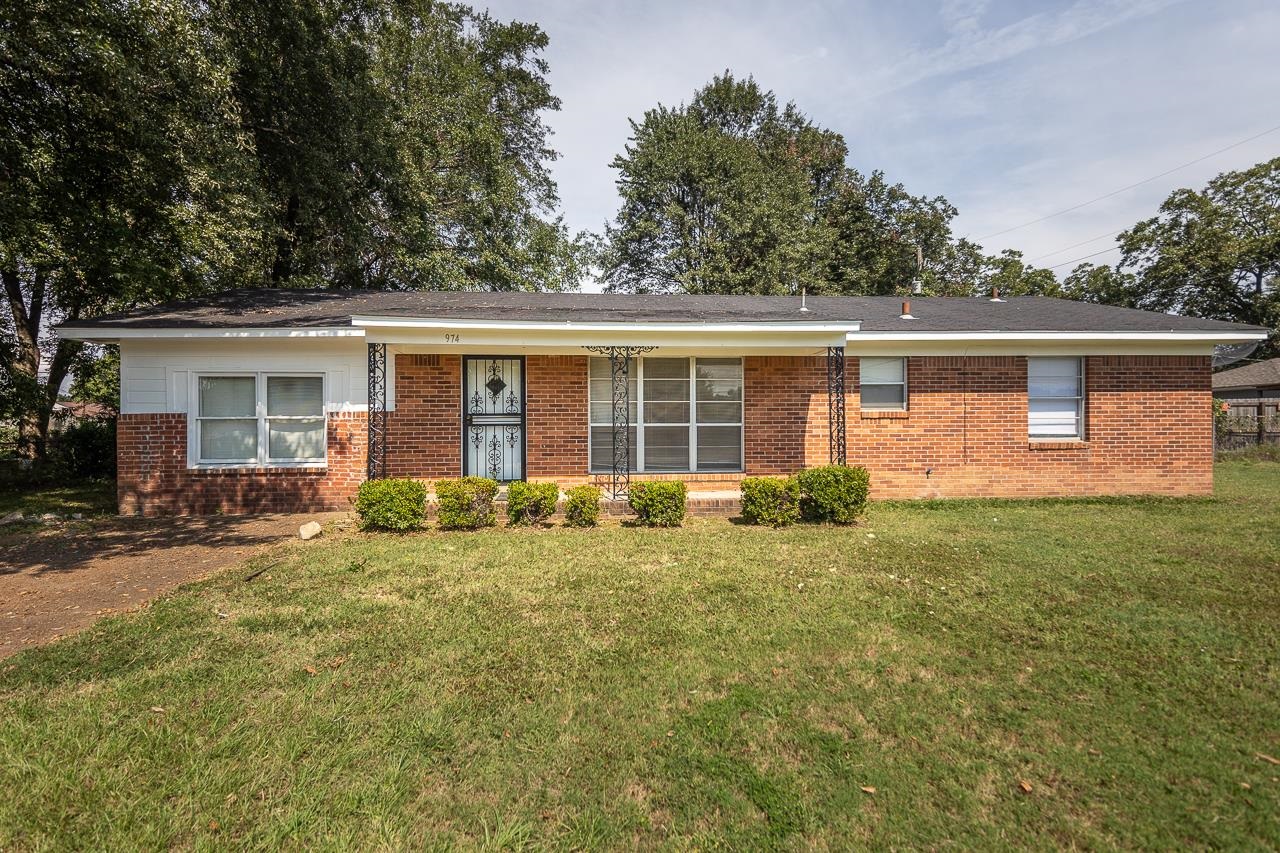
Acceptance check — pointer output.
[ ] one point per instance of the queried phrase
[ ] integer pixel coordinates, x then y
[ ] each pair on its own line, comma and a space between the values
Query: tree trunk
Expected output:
282, 266
24, 366
36, 397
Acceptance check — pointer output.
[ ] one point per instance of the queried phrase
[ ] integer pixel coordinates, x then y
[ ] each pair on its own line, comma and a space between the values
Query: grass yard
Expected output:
1090, 673
90, 497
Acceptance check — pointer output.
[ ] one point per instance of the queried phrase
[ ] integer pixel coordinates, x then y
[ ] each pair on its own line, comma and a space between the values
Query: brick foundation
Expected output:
1148, 430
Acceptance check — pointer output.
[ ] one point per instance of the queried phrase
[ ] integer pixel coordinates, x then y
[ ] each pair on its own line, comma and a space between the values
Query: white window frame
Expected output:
906, 391
263, 459
639, 424
1078, 435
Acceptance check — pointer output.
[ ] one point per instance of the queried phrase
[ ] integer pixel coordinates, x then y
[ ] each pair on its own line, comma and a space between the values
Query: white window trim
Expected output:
906, 391
1079, 398
263, 460
640, 426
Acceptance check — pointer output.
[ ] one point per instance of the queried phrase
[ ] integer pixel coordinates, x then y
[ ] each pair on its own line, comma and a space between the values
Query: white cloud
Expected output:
1012, 110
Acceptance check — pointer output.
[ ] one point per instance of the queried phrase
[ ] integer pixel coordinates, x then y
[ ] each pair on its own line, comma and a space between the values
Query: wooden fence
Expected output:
1247, 423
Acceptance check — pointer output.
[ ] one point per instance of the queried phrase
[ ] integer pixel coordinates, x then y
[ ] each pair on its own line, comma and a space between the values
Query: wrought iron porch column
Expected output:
835, 404
620, 375
377, 411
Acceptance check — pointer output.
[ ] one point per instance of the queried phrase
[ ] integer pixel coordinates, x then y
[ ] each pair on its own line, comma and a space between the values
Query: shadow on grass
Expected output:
78, 547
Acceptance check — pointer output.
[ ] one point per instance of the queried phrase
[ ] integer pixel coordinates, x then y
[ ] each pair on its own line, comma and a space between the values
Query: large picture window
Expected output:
259, 419
1055, 397
686, 414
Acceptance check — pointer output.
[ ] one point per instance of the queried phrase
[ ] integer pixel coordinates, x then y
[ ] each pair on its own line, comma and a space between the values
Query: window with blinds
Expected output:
259, 419
1055, 397
883, 383
685, 414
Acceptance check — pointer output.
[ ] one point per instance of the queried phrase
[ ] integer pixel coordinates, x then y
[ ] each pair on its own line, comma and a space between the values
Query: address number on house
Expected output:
452, 338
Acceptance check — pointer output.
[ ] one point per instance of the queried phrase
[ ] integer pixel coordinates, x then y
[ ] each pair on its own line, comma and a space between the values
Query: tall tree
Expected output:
1210, 253
733, 193
159, 148
123, 177
724, 195
400, 144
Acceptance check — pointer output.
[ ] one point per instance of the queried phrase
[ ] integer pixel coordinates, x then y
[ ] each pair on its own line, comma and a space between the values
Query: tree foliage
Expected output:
399, 144
721, 196
161, 148
733, 193
1210, 253
123, 176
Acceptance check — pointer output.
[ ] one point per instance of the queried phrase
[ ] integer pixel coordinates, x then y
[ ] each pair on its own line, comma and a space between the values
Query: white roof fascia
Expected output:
1169, 336
84, 333
569, 325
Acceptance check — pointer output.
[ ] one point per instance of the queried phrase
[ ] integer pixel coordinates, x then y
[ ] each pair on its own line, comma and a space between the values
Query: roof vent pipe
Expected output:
906, 311
995, 295
804, 309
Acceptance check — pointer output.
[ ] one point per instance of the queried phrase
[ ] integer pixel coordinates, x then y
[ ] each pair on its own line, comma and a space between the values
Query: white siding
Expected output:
156, 375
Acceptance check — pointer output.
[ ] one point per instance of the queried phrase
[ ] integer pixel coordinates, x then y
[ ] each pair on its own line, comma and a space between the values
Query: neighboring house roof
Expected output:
1260, 374
297, 308
77, 409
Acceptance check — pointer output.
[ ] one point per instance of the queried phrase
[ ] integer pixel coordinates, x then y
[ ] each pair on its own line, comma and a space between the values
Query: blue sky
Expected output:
1012, 110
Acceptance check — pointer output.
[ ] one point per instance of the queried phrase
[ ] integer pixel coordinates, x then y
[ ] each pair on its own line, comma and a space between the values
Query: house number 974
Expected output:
452, 338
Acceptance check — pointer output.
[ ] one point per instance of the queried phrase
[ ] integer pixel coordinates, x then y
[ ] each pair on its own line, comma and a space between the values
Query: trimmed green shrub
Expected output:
834, 493
531, 503
772, 501
391, 504
582, 506
466, 504
658, 504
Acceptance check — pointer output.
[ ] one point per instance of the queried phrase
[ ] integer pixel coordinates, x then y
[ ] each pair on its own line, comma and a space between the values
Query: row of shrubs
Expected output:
833, 493
468, 504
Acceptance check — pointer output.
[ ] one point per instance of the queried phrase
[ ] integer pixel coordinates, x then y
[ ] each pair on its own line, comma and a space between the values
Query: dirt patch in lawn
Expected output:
59, 579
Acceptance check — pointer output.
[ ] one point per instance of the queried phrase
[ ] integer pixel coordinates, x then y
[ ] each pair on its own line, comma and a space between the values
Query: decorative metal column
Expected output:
377, 411
620, 373
835, 404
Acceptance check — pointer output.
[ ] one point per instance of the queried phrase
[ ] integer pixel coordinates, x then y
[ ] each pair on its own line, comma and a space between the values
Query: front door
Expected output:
493, 417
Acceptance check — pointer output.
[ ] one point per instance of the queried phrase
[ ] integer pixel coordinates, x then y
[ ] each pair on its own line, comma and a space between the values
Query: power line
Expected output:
1133, 185
1085, 258
1074, 245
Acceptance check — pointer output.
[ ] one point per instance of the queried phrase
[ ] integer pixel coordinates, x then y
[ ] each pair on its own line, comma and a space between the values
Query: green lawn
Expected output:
1044, 674
90, 497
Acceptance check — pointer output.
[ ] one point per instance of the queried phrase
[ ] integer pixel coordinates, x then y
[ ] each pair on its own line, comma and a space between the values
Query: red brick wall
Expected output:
154, 478
556, 416
425, 430
784, 414
1148, 429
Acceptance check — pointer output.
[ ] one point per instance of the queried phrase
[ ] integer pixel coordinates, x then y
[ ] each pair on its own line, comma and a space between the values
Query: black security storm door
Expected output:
493, 417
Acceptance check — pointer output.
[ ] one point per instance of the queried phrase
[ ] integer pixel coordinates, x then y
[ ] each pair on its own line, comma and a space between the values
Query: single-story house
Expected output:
1260, 380
274, 400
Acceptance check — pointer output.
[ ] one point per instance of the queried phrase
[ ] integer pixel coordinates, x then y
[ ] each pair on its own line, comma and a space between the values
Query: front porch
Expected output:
599, 406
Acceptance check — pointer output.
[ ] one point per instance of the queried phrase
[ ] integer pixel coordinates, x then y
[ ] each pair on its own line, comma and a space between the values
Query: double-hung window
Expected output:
883, 383
685, 414
1055, 397
259, 419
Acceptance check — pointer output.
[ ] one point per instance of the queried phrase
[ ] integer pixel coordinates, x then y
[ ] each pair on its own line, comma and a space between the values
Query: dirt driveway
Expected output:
60, 579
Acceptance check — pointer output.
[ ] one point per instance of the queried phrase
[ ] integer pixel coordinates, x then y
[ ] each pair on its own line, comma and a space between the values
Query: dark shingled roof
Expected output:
1262, 374
296, 308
